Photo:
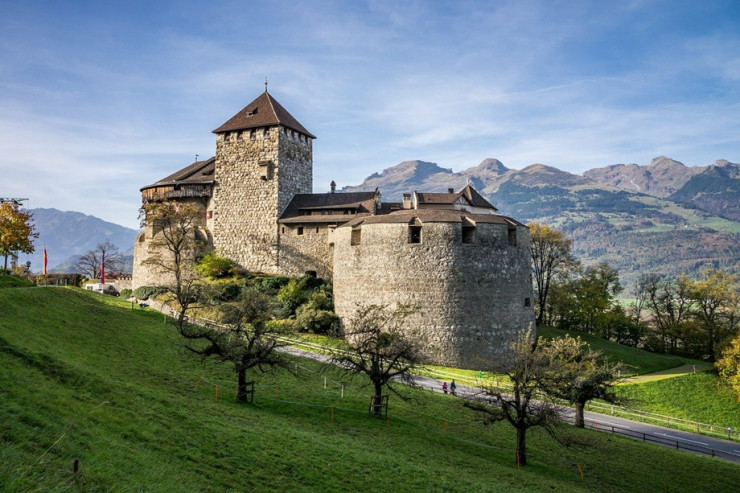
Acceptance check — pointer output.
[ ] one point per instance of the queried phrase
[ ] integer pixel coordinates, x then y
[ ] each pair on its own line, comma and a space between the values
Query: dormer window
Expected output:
253, 112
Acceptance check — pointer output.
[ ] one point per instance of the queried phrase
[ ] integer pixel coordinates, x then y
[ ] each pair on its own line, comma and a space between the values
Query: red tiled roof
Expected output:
264, 111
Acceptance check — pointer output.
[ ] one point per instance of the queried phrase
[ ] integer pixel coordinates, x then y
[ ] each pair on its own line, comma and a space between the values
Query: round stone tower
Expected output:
467, 275
263, 158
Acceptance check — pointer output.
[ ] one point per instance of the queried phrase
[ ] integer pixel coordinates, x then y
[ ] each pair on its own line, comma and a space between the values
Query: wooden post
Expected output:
215, 397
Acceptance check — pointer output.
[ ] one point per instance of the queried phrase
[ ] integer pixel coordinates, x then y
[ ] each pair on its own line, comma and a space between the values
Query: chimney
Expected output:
333, 186
450, 190
407, 201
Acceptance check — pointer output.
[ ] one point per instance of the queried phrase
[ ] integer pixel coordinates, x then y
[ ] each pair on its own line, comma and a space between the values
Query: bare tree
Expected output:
518, 405
578, 374
89, 263
243, 340
378, 349
174, 249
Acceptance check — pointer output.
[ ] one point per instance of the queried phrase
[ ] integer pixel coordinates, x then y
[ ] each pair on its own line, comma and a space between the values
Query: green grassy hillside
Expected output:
86, 377
638, 361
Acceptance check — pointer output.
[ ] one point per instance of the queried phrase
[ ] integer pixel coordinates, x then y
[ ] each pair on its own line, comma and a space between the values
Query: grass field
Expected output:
639, 361
695, 397
7, 281
86, 377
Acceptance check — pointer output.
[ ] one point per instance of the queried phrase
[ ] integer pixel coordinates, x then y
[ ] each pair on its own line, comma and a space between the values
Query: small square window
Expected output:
468, 234
356, 237
512, 236
300, 230
414, 234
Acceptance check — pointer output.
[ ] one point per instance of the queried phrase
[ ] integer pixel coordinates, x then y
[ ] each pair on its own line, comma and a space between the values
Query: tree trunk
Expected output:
241, 390
580, 422
377, 400
521, 446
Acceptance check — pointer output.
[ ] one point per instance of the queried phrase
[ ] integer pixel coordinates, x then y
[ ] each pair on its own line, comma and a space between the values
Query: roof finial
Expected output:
196, 158
265, 84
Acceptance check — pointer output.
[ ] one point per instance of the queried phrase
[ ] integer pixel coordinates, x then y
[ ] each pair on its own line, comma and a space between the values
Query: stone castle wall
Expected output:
257, 174
471, 299
305, 248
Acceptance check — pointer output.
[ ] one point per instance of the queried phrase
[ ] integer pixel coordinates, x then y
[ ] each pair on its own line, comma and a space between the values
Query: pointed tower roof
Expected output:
264, 111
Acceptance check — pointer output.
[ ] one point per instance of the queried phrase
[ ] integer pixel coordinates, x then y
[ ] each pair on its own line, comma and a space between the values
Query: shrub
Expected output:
126, 293
146, 292
314, 320
214, 266
271, 285
229, 292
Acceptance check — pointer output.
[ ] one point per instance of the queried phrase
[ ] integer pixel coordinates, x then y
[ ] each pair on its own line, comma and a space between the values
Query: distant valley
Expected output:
663, 217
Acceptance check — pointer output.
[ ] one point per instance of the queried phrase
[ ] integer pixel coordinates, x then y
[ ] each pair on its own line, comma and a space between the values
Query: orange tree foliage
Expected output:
17, 231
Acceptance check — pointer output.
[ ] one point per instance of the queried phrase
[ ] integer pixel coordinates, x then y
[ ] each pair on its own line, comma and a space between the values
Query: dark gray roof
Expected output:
359, 202
264, 111
407, 216
198, 173
471, 195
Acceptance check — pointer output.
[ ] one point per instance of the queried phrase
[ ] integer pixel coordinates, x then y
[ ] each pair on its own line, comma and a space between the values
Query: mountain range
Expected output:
663, 217
67, 235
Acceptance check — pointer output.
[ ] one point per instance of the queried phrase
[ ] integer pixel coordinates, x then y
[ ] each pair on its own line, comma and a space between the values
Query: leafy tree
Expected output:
17, 231
668, 305
716, 304
243, 340
378, 349
551, 256
578, 374
728, 365
517, 406
595, 291
174, 249
89, 263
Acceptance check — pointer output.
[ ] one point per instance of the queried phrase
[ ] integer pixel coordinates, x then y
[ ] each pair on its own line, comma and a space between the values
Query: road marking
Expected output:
610, 424
682, 439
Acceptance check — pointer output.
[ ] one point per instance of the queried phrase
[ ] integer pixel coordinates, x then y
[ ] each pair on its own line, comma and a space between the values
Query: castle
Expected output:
464, 267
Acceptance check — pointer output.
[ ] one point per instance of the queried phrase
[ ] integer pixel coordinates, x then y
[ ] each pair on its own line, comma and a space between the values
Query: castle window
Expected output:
283, 230
468, 234
300, 230
226, 138
265, 133
527, 302
414, 234
512, 236
239, 136
356, 237
266, 169
317, 229
252, 135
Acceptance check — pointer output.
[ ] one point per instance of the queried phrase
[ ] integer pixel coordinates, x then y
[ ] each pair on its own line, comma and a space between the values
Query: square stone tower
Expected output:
263, 158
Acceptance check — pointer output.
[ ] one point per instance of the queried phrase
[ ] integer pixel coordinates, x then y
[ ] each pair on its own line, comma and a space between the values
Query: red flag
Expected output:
102, 270
46, 260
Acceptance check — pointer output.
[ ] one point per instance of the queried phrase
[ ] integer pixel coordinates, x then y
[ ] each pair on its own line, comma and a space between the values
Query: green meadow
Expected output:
87, 380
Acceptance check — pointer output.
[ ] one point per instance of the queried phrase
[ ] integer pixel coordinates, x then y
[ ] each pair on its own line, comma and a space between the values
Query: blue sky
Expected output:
98, 99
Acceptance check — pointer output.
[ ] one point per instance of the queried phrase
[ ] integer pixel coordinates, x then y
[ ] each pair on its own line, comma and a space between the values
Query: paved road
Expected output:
657, 435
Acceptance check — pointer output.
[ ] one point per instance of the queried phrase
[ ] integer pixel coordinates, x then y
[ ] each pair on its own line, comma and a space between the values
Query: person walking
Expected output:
453, 387
444, 387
